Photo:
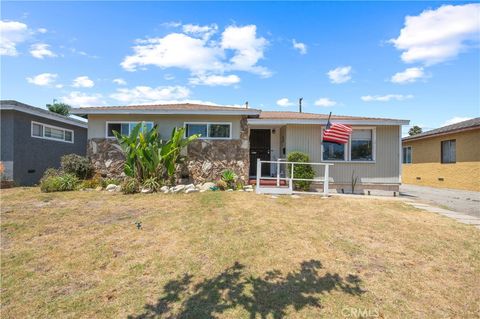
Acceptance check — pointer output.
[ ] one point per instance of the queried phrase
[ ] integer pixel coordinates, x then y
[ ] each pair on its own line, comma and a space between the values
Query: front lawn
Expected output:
231, 255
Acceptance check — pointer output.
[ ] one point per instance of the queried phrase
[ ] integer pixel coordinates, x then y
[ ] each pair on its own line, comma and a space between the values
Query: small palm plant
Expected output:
230, 178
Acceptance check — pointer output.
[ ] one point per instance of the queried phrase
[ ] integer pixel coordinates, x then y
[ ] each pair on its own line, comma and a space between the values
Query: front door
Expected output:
259, 148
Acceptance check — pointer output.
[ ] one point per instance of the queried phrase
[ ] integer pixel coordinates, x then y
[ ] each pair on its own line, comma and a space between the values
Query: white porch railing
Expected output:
283, 189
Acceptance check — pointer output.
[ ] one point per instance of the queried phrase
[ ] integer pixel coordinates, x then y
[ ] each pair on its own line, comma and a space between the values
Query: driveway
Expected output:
466, 202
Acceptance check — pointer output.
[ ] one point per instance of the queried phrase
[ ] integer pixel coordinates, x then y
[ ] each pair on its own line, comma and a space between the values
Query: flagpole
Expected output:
328, 121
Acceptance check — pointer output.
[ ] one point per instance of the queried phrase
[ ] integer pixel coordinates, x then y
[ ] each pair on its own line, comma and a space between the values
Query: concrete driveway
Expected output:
465, 202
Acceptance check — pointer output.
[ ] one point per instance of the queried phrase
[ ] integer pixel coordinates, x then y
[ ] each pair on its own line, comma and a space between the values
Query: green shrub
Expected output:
51, 172
152, 183
130, 185
77, 165
301, 171
230, 178
58, 183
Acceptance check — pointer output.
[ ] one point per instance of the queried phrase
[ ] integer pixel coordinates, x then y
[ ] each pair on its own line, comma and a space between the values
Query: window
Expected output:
333, 151
359, 148
209, 130
50, 132
407, 155
125, 128
361, 145
449, 151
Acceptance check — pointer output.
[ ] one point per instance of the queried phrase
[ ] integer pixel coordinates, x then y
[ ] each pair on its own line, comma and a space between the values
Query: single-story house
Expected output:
34, 139
447, 157
233, 138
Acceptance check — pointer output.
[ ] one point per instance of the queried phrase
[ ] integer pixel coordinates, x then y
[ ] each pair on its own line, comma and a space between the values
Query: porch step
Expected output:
266, 182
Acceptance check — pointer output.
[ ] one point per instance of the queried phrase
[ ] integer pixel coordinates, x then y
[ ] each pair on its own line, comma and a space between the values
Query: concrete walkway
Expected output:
463, 206
465, 202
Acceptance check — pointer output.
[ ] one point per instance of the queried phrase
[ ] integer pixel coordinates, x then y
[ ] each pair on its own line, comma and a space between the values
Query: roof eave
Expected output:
415, 138
165, 112
324, 122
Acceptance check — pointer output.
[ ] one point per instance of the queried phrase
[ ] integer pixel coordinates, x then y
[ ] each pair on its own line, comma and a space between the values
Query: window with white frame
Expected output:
359, 148
361, 145
125, 128
209, 130
407, 155
50, 132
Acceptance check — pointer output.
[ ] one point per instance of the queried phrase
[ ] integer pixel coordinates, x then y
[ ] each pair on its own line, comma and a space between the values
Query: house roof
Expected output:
182, 108
25, 108
274, 117
454, 128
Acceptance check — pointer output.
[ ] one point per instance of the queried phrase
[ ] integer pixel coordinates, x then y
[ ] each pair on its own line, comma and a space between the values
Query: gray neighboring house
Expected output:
234, 138
33, 139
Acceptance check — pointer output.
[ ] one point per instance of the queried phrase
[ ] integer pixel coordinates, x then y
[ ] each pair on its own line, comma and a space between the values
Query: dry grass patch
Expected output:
231, 255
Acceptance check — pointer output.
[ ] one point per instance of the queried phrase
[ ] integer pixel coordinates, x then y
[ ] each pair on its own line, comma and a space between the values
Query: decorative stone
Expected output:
207, 186
146, 191
249, 190
118, 188
164, 188
247, 187
177, 188
229, 190
191, 190
108, 163
203, 190
111, 187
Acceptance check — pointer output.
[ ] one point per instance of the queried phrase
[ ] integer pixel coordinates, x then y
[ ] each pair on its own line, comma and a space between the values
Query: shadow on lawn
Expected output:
269, 295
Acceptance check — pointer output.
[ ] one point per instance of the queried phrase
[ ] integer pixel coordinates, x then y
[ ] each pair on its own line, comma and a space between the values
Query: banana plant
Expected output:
147, 156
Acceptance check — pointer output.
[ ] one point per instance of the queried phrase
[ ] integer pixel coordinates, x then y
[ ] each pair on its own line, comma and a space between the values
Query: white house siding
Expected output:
166, 123
385, 170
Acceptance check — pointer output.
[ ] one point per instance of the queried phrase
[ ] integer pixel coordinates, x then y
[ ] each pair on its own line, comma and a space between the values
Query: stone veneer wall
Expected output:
106, 156
206, 159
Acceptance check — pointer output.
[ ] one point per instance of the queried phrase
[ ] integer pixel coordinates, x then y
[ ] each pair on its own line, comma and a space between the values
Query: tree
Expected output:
415, 130
60, 108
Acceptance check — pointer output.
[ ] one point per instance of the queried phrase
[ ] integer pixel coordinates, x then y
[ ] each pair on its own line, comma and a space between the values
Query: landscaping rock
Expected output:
146, 191
229, 190
118, 188
111, 187
249, 190
189, 186
203, 190
164, 188
247, 187
207, 186
177, 188
191, 190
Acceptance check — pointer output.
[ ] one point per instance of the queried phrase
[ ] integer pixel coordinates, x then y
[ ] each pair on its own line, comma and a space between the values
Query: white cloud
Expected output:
386, 98
83, 82
213, 80
41, 50
149, 95
42, 30
284, 102
456, 119
119, 81
205, 31
341, 74
79, 99
301, 47
408, 76
438, 35
325, 102
43, 79
236, 49
12, 33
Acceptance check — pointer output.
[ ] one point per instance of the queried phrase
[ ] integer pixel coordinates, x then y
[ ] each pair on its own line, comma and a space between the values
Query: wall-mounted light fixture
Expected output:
273, 131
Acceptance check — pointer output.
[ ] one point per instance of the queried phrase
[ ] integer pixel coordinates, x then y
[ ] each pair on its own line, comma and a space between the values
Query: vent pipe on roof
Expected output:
300, 104
246, 105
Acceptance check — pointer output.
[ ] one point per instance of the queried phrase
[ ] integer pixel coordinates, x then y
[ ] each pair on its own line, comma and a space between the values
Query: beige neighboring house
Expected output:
234, 138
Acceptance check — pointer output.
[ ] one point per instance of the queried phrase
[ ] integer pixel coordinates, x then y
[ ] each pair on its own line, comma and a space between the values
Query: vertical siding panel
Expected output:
386, 169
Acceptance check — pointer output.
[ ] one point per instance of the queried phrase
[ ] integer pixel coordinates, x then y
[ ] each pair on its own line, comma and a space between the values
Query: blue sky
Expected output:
364, 59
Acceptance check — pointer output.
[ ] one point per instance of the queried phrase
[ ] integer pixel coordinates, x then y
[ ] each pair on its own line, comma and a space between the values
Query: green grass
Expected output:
231, 255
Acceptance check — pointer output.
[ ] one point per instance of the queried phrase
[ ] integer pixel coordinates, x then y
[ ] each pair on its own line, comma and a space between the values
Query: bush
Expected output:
130, 185
77, 165
152, 183
51, 172
222, 185
95, 182
230, 178
58, 183
301, 171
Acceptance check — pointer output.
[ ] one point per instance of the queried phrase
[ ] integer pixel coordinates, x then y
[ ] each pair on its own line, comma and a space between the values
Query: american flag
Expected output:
336, 133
